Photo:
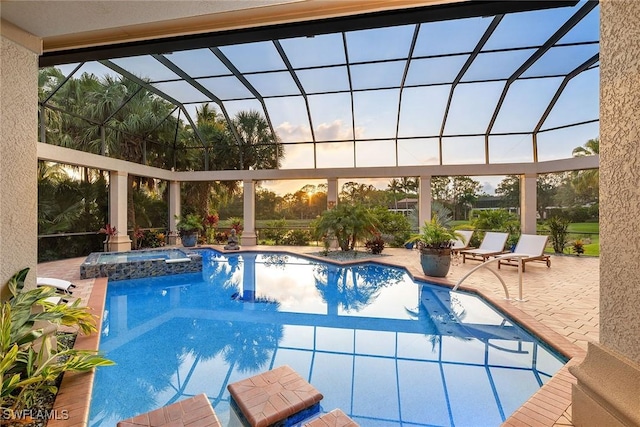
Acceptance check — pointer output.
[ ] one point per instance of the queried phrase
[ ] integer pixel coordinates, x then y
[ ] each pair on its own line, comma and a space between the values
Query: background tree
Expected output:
586, 183
509, 190
464, 192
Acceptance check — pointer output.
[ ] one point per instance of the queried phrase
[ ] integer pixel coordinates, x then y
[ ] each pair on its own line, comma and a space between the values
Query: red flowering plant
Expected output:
110, 232
210, 222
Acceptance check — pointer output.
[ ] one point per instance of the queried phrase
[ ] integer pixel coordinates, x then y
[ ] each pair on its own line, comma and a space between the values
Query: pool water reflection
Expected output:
384, 349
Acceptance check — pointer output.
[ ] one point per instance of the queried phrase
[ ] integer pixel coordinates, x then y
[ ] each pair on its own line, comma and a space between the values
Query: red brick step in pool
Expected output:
276, 396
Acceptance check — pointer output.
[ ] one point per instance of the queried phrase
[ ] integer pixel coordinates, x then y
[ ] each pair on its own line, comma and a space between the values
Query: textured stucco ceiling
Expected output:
64, 25
54, 18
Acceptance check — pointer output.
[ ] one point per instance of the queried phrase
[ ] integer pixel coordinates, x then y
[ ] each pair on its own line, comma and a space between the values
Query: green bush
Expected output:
347, 223
296, 238
393, 224
274, 230
497, 220
151, 239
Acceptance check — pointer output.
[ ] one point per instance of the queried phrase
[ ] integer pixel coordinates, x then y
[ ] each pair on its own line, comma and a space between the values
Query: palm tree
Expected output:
259, 148
586, 183
347, 223
394, 186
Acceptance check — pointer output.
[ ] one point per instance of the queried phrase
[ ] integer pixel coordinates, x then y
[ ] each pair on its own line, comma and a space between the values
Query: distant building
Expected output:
404, 206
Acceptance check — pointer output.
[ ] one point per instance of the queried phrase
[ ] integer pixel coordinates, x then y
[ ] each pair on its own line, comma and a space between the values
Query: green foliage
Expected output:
578, 247
191, 223
236, 224
29, 362
393, 224
434, 235
296, 238
274, 230
151, 239
496, 220
347, 223
558, 233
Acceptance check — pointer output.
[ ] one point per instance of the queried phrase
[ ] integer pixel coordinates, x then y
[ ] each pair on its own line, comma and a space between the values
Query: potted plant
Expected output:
434, 244
189, 228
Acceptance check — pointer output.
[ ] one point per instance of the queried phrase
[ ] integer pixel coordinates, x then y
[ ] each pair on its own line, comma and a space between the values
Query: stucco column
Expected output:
118, 210
608, 388
249, 236
528, 208
424, 209
174, 211
18, 153
332, 193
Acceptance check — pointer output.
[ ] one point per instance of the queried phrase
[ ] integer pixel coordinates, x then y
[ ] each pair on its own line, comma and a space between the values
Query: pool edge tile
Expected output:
74, 395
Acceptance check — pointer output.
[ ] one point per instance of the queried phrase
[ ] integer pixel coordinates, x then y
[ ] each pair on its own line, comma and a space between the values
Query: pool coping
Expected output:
544, 408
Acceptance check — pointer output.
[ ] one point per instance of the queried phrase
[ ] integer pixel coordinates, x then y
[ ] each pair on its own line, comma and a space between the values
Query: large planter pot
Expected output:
435, 262
189, 240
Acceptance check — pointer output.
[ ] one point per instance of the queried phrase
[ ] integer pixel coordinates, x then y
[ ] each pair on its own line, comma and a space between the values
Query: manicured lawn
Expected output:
588, 233
584, 227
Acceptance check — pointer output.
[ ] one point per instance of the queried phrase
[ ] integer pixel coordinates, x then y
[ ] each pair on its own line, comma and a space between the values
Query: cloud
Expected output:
290, 133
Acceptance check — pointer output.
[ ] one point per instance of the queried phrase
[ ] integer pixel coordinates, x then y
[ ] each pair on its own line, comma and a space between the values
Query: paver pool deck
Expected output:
561, 305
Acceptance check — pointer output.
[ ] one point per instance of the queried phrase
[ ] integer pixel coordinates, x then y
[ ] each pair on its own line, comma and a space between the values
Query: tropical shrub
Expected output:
236, 224
375, 245
210, 222
393, 224
558, 233
151, 239
189, 224
347, 224
275, 230
296, 238
498, 220
434, 235
29, 360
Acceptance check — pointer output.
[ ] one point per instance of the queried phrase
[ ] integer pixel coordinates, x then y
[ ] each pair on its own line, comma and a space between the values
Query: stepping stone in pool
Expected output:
277, 396
335, 418
195, 410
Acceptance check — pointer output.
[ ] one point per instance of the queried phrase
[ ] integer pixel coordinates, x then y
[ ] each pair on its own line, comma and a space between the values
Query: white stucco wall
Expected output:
18, 160
620, 177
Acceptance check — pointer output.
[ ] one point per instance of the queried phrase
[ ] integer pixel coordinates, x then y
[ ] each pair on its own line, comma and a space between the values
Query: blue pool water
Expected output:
159, 254
384, 349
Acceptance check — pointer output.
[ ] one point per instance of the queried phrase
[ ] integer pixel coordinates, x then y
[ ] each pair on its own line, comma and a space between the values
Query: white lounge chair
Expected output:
63, 286
492, 245
463, 241
530, 247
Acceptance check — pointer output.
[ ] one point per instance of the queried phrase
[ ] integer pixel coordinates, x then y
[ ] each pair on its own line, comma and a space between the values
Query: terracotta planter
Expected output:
435, 262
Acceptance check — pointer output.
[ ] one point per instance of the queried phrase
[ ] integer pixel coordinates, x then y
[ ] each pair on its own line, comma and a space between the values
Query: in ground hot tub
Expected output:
138, 264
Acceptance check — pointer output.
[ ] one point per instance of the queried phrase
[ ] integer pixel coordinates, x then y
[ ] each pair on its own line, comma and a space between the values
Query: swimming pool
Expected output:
385, 350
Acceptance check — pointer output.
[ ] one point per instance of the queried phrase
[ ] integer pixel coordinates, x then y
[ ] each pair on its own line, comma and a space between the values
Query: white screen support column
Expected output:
249, 236
332, 193
174, 210
118, 188
528, 208
424, 210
